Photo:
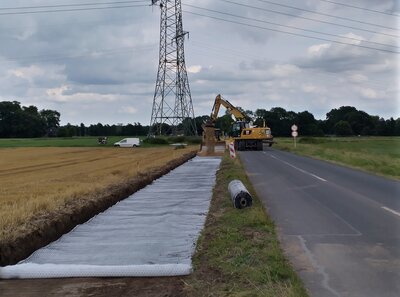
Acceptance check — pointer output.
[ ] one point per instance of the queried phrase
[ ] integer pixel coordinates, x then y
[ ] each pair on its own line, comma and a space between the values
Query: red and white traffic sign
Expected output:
294, 129
295, 134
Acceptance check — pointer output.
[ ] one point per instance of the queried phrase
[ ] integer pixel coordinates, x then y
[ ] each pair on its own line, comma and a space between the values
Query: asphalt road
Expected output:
339, 227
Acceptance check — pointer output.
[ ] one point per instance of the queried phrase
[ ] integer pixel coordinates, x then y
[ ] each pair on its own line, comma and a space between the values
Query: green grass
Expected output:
379, 155
63, 142
57, 142
82, 141
238, 253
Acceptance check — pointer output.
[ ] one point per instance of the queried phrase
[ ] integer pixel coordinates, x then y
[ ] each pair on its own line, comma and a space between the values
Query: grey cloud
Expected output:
237, 61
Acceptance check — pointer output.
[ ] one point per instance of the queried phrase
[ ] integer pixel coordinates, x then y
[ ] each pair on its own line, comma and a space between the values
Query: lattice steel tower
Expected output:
172, 104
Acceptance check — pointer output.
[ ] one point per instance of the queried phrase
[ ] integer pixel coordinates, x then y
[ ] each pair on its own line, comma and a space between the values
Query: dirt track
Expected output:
85, 287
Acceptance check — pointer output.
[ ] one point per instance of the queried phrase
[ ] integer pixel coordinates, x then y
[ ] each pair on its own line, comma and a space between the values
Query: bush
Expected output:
156, 140
185, 139
194, 140
313, 140
176, 139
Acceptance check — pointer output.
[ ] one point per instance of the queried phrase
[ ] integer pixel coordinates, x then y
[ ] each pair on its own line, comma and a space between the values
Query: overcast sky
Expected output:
100, 65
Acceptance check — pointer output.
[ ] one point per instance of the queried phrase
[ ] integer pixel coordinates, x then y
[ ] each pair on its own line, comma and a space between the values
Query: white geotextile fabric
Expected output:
151, 233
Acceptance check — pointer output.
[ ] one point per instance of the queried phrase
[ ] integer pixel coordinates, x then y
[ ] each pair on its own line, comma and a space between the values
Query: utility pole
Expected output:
172, 104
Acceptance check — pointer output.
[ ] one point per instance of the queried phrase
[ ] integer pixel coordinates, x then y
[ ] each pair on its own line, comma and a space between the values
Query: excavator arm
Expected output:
239, 116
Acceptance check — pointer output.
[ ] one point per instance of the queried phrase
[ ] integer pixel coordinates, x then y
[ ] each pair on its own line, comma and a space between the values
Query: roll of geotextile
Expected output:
241, 198
36, 271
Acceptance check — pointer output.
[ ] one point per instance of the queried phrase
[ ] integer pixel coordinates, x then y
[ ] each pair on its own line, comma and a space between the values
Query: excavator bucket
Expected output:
210, 145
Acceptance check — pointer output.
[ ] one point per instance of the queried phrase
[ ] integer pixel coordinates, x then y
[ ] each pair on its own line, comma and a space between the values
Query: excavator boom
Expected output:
239, 116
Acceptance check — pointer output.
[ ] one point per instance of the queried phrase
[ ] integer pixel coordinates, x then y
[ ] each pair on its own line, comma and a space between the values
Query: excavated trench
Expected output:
48, 227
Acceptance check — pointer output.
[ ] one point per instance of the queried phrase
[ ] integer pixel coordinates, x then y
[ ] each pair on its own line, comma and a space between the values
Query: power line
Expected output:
362, 8
326, 14
103, 52
225, 52
70, 10
291, 33
69, 5
309, 19
291, 27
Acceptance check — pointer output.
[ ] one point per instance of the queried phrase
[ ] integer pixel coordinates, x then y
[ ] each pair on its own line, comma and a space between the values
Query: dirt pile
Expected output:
211, 146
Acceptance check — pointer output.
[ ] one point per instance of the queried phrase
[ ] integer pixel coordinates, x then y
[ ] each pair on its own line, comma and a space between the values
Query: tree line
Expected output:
18, 121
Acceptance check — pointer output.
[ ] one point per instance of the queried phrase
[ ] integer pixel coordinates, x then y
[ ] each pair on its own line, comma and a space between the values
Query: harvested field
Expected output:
42, 188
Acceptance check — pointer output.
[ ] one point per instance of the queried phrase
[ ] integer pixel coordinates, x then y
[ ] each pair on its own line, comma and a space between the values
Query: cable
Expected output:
325, 14
225, 52
309, 19
291, 27
44, 58
294, 34
362, 8
68, 5
69, 10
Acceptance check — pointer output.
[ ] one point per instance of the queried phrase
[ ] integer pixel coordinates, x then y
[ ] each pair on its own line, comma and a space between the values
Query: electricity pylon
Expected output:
172, 105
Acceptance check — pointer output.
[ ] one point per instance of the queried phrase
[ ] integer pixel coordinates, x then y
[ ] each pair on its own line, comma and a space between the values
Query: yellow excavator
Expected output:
243, 134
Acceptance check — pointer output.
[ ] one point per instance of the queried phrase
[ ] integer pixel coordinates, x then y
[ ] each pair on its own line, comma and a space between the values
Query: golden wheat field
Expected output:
34, 180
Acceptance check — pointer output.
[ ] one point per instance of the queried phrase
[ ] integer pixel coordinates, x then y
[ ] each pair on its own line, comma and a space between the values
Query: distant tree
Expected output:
17, 121
199, 123
96, 130
249, 113
390, 127
164, 128
224, 123
68, 130
307, 124
336, 115
82, 130
343, 128
52, 121
260, 115
397, 129
381, 127
279, 120
10, 118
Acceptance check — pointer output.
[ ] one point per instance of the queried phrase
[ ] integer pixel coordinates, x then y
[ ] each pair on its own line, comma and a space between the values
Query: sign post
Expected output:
294, 134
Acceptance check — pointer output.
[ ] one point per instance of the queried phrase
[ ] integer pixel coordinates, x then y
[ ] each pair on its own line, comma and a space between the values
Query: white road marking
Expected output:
299, 169
391, 210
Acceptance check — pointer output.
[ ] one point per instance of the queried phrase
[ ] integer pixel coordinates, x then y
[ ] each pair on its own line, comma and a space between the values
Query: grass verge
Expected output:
379, 155
238, 253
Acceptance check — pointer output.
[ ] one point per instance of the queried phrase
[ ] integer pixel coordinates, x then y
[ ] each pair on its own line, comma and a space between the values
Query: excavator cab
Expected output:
237, 128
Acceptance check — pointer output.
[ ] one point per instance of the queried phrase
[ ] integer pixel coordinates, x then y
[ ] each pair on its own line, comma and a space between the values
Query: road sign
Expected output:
294, 134
294, 129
